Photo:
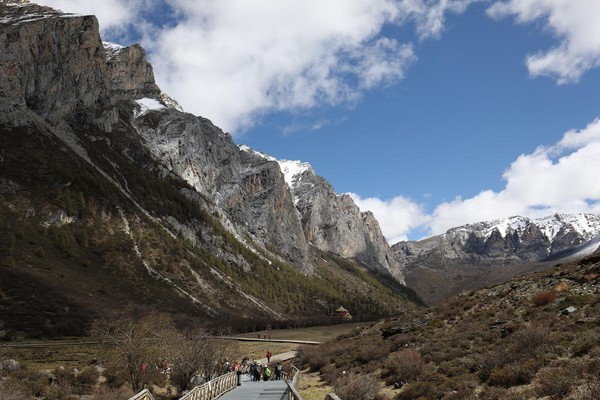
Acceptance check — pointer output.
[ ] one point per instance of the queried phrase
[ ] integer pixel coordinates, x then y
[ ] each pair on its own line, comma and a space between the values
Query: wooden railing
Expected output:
213, 389
294, 384
208, 391
224, 383
143, 395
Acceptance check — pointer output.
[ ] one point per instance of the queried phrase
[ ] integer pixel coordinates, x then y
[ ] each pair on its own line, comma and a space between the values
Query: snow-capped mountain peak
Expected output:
291, 169
586, 225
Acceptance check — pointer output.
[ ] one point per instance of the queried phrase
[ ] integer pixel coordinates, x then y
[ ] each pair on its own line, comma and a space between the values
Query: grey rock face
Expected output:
52, 63
334, 223
248, 188
130, 73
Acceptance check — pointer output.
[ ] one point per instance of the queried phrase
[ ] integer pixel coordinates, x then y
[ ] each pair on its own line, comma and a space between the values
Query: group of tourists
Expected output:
265, 372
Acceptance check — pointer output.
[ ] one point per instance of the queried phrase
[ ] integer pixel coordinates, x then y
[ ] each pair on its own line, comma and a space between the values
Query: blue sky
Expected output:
431, 113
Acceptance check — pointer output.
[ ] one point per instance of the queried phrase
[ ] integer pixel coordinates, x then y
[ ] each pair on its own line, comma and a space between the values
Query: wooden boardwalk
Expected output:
271, 390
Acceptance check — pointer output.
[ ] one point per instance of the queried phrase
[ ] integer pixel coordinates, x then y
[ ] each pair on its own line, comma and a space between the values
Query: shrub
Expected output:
403, 367
453, 368
589, 390
433, 386
356, 387
372, 352
88, 376
330, 373
106, 393
492, 393
493, 360
115, 377
543, 298
555, 382
13, 390
529, 339
313, 357
562, 287
513, 375
583, 345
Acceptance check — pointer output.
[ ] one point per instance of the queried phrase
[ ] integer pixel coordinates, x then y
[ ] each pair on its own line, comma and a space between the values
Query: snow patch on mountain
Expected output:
147, 104
112, 49
292, 170
586, 225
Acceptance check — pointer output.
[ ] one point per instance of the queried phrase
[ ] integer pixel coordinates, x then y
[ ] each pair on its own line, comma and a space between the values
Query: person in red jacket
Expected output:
269, 356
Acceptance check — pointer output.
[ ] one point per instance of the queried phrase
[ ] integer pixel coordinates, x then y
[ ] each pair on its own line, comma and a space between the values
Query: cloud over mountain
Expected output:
234, 61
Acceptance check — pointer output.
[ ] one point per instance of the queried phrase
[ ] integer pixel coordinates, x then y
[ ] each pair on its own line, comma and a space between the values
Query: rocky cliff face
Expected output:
249, 190
478, 254
130, 73
105, 171
332, 222
52, 63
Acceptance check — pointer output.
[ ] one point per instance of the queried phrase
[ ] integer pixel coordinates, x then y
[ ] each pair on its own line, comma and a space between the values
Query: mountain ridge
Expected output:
474, 255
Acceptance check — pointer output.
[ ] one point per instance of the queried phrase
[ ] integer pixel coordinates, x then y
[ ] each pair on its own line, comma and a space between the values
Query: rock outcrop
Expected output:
249, 191
52, 63
334, 223
131, 74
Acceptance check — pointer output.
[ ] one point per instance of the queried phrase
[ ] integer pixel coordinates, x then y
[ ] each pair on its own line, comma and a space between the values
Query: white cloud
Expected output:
573, 22
430, 15
560, 178
396, 216
233, 61
113, 15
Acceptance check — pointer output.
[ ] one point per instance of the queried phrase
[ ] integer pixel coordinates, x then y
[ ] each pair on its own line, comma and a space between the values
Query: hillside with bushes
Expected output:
534, 337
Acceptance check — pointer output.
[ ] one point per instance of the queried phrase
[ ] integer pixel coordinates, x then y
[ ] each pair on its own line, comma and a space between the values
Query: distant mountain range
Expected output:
476, 255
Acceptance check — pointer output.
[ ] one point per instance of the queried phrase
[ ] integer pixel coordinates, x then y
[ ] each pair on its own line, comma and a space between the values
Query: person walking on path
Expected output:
238, 372
251, 371
269, 354
278, 369
257, 373
267, 373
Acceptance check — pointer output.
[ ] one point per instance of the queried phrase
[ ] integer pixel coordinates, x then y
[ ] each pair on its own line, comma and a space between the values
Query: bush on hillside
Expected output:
350, 386
403, 367
528, 340
513, 375
555, 382
543, 298
313, 357
11, 389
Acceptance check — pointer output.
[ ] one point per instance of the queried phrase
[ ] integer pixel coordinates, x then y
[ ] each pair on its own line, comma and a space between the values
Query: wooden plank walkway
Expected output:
270, 390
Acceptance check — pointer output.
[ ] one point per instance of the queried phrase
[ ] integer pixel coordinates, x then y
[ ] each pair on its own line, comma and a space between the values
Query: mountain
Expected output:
476, 255
111, 195
333, 222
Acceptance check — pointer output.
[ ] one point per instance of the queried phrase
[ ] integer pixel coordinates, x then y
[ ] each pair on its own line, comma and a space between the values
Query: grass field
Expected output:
315, 333
76, 353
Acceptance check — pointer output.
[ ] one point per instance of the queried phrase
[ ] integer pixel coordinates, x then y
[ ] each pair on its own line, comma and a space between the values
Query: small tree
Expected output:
195, 352
133, 342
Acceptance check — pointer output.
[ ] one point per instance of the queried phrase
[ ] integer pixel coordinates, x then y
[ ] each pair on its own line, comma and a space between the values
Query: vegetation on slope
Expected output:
75, 247
518, 340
